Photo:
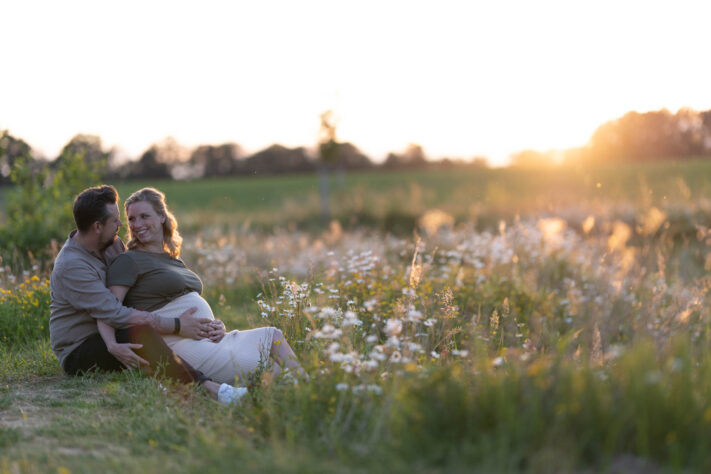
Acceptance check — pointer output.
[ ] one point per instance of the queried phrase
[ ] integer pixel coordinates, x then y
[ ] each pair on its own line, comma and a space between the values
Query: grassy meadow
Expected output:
478, 320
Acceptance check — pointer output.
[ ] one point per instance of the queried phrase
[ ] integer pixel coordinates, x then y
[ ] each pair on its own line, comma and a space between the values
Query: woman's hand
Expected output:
124, 354
217, 330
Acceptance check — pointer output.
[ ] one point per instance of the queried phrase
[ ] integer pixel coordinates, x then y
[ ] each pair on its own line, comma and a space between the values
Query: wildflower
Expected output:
430, 322
396, 357
414, 315
393, 327
371, 339
370, 364
414, 347
498, 362
328, 332
494, 321
351, 319
614, 351
378, 353
434, 355
337, 357
327, 313
588, 224
342, 386
462, 353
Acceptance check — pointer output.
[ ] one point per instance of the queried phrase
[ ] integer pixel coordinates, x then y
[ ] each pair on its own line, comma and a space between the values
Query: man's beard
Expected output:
108, 243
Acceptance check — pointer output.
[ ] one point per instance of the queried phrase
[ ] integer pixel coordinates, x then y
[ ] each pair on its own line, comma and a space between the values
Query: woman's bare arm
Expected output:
122, 352
119, 291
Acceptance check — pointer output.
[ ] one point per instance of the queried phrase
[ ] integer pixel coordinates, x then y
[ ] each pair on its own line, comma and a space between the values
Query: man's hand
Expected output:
217, 330
124, 354
192, 327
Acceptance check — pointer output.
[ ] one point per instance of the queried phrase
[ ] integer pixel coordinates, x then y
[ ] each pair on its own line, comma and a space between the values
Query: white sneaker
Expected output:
229, 395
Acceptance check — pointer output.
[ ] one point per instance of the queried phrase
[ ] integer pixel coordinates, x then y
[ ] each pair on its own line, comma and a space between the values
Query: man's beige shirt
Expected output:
80, 297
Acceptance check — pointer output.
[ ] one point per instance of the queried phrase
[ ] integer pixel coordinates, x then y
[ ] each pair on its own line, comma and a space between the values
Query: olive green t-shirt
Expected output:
155, 279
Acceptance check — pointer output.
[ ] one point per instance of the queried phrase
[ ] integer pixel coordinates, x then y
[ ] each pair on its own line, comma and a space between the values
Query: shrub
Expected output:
24, 314
39, 209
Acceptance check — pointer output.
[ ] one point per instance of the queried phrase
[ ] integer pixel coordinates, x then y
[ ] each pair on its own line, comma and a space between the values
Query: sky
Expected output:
460, 78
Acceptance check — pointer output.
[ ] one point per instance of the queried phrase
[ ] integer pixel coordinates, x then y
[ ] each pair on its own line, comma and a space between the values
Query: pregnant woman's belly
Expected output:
181, 304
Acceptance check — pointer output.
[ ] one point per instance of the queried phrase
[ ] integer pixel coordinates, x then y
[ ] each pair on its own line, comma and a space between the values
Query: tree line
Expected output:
636, 137
168, 159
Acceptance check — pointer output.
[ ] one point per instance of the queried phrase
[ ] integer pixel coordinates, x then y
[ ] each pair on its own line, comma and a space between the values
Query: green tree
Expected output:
39, 208
89, 147
214, 161
11, 149
157, 162
652, 136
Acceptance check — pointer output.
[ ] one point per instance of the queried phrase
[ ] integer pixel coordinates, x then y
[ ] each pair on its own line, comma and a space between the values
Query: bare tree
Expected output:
328, 156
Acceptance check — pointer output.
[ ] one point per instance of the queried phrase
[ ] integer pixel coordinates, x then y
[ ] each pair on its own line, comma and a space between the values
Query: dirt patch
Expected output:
33, 404
28, 403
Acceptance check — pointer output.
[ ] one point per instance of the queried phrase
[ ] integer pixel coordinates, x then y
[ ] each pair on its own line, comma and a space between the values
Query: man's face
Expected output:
110, 227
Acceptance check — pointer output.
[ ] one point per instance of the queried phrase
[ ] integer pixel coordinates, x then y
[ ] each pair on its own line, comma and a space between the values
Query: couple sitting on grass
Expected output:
151, 316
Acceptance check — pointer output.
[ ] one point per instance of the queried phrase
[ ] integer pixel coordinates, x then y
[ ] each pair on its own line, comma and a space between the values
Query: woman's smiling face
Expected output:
145, 224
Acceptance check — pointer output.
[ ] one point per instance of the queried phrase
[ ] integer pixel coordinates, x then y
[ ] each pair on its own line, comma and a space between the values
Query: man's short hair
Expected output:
90, 205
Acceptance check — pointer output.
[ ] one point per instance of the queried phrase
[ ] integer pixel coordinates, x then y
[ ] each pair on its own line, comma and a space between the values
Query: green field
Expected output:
547, 321
379, 197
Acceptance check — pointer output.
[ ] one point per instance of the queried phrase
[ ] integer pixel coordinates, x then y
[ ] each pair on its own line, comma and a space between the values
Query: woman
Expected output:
151, 277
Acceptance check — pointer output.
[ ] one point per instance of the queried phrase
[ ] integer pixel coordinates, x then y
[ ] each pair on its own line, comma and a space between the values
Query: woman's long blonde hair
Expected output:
172, 241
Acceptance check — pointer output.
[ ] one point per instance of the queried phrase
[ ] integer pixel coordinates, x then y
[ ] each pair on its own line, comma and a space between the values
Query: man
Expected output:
79, 298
